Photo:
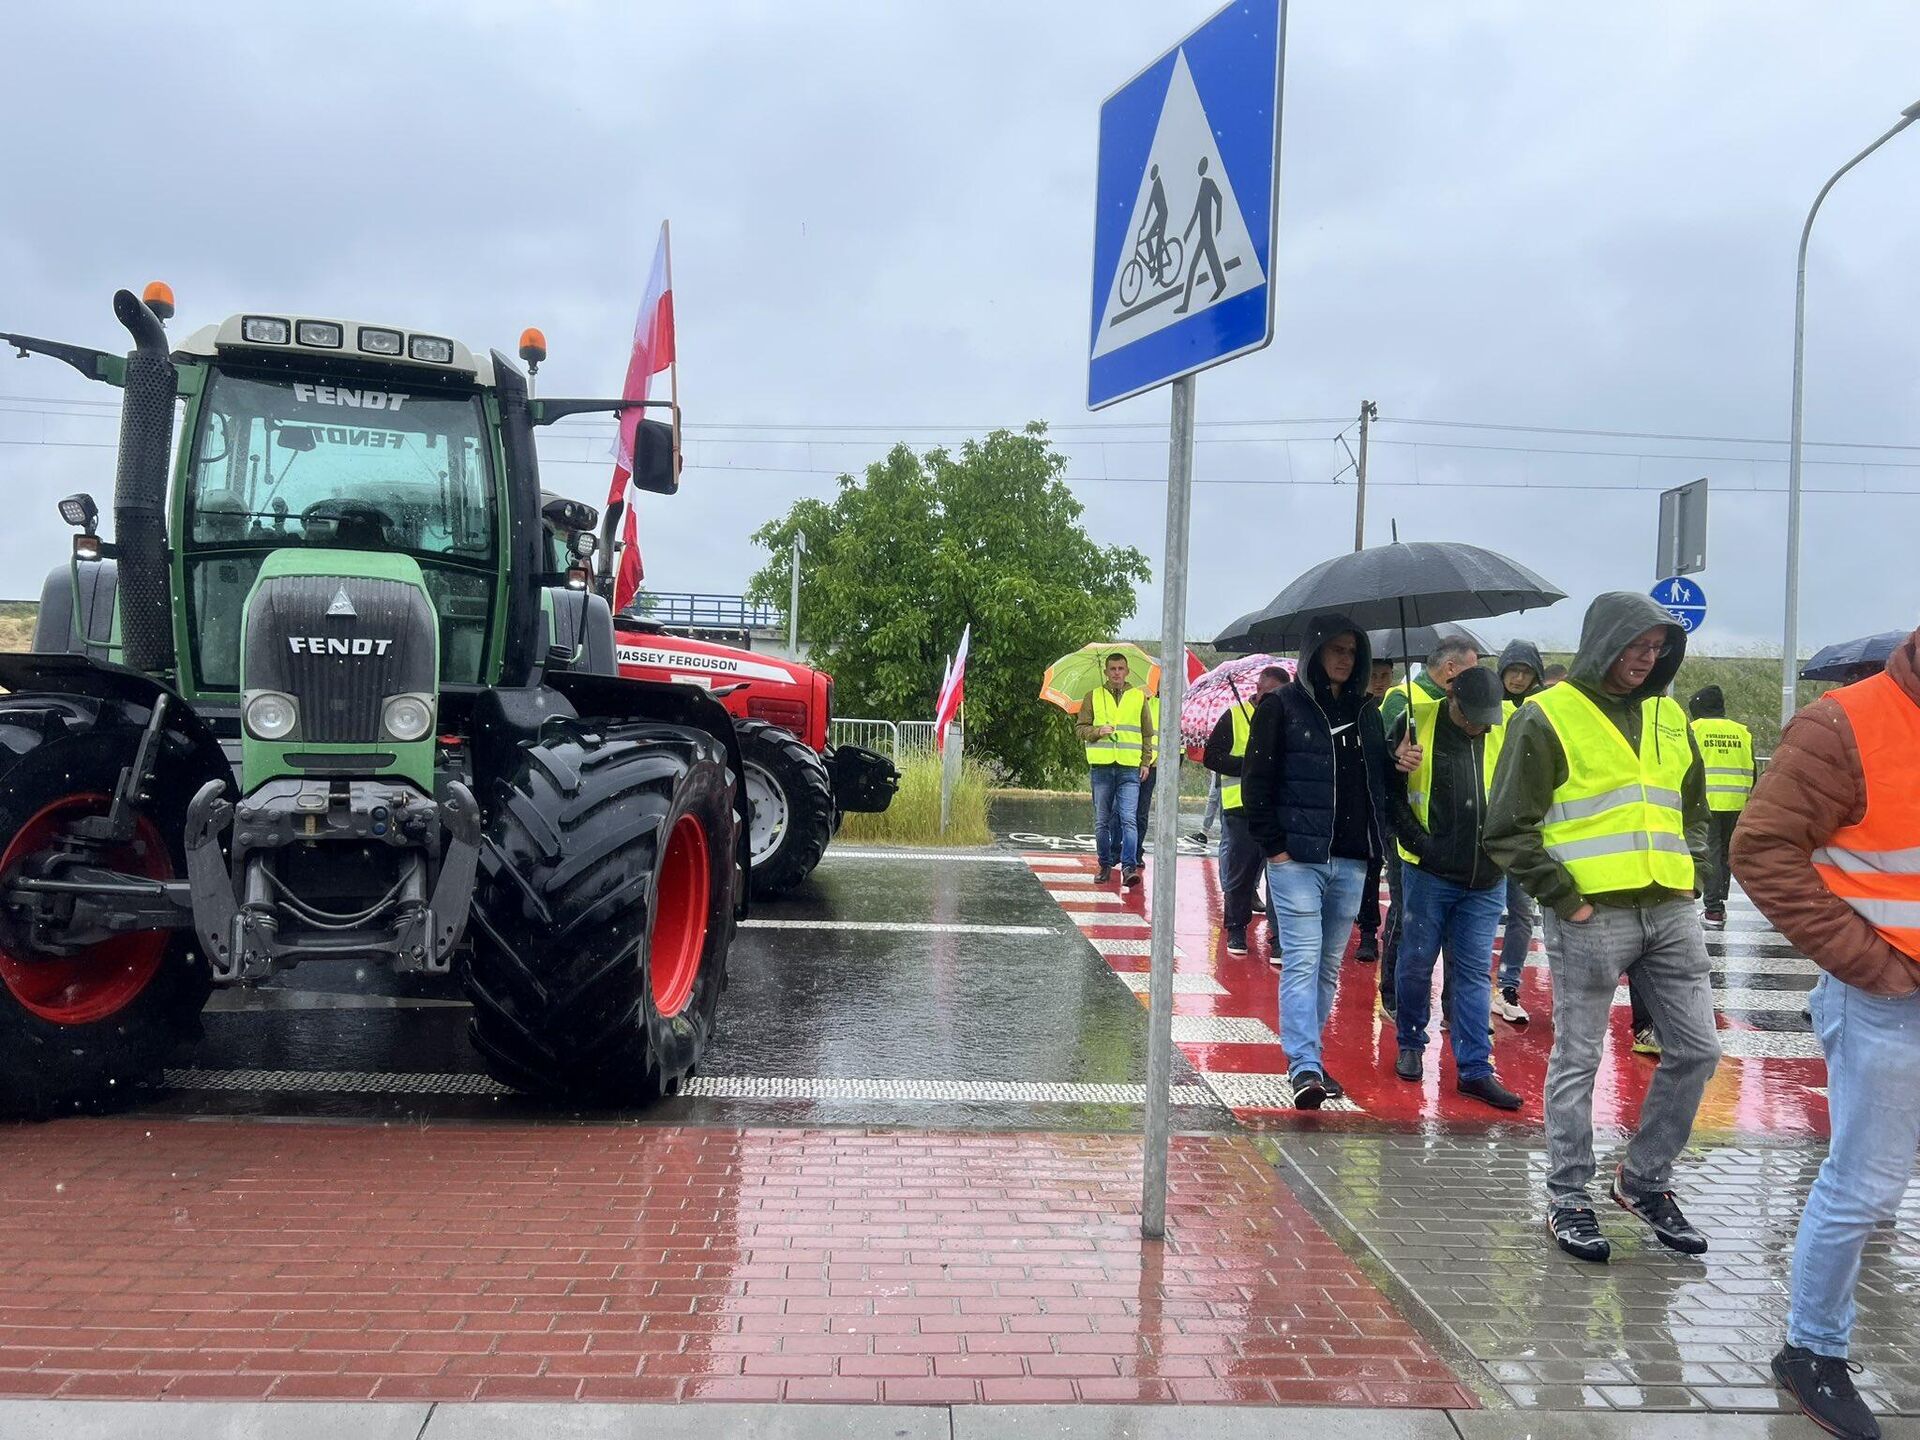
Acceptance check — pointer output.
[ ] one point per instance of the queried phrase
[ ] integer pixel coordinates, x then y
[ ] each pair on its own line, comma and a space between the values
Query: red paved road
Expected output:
236, 1260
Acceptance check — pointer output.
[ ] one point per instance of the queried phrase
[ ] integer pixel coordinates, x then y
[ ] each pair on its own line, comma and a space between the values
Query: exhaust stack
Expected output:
140, 490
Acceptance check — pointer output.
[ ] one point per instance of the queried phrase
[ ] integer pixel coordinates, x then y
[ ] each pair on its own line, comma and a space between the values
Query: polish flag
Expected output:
953, 692
1195, 667
652, 353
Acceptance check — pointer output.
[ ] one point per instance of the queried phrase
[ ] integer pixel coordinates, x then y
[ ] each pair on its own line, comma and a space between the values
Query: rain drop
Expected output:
60, 1187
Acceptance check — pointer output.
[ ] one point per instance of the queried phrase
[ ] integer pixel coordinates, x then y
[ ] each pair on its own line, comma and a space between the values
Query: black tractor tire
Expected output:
779, 761
603, 912
78, 1034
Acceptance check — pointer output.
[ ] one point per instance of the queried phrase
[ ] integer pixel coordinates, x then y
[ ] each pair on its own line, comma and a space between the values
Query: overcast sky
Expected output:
1506, 214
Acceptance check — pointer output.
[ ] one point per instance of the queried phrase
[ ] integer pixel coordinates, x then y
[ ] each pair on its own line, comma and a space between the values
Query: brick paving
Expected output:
1460, 1222
226, 1260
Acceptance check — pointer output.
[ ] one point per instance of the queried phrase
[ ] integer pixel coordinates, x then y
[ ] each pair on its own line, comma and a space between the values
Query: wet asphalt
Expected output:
890, 989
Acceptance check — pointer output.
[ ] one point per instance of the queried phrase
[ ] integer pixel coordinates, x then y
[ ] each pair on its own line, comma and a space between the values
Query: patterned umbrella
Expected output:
1209, 696
1069, 678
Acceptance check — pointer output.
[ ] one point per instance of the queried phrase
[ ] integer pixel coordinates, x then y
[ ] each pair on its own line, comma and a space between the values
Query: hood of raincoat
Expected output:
1521, 652
1613, 620
1708, 703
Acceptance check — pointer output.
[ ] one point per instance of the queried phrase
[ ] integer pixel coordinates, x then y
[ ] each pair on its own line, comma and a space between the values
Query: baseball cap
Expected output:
1478, 691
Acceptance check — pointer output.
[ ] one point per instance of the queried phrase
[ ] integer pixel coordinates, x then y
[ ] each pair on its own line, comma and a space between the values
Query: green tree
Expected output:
923, 545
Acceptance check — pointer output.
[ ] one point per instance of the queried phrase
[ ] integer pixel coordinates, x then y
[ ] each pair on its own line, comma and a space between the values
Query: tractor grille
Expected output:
341, 667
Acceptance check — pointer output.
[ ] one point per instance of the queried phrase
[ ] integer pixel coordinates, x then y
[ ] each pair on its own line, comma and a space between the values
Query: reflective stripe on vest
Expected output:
1617, 824
1726, 749
1875, 866
1241, 714
1126, 715
1426, 724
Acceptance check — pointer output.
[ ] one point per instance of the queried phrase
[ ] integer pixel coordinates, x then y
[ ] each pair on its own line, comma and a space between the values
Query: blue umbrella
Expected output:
1852, 660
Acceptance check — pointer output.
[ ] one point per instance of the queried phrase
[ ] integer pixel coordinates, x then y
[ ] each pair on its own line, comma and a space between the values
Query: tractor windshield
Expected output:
280, 462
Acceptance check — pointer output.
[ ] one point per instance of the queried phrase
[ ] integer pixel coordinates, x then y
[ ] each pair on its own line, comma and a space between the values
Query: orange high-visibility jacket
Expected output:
1875, 866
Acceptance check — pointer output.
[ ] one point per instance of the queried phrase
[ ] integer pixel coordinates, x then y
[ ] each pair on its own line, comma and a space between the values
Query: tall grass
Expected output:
914, 816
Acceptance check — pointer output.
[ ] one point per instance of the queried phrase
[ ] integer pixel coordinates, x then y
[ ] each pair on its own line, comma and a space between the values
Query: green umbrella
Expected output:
1071, 677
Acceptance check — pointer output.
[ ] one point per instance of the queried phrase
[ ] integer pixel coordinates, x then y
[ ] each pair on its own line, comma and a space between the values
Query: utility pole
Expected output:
793, 609
1368, 412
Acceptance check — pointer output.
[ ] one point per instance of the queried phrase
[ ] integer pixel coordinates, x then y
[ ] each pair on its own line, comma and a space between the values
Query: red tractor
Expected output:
798, 784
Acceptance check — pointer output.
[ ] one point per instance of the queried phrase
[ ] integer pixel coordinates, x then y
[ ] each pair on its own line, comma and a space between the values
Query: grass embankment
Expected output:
914, 816
16, 624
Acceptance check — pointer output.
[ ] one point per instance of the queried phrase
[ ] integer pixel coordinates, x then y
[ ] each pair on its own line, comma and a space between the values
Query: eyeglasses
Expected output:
1652, 652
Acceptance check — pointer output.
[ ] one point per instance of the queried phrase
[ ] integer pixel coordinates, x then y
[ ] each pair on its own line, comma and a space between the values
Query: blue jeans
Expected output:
1315, 905
1443, 916
1873, 1076
1116, 798
1143, 811
1523, 918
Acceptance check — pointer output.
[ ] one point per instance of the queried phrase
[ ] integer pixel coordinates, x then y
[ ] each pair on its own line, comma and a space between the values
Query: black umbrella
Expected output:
1401, 585
1418, 641
1852, 660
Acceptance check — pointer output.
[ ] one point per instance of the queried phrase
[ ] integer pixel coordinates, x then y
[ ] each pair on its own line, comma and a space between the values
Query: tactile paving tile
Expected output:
335, 1082
722, 1087
1221, 1030
1117, 945
1068, 898
1770, 1045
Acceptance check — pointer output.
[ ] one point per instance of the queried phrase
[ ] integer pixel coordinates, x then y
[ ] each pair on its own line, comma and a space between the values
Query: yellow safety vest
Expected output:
1617, 823
1124, 746
1152, 757
1726, 748
1242, 716
1426, 722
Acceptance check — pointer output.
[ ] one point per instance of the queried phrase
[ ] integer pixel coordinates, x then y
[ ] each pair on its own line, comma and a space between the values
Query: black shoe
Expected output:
1310, 1090
1489, 1089
1131, 877
1103, 875
1716, 917
1823, 1385
1237, 940
1576, 1230
1335, 1090
1410, 1064
1662, 1212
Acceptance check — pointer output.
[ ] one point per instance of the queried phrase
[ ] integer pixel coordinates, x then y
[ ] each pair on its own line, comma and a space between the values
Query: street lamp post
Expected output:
1790, 645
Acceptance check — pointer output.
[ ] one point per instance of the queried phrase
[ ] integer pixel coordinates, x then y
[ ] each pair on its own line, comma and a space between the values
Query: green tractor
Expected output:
326, 698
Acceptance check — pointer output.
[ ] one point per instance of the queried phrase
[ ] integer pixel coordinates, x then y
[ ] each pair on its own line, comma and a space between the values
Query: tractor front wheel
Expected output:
78, 1031
792, 802
603, 914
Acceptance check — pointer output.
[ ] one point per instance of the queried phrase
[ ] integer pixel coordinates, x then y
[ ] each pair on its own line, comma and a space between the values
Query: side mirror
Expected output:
656, 469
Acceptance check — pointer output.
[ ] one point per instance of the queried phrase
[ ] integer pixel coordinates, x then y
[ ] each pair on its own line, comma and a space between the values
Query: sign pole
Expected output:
793, 609
1166, 821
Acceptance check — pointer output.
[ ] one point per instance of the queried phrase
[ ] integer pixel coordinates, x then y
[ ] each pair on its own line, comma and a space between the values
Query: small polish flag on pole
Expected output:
653, 351
953, 692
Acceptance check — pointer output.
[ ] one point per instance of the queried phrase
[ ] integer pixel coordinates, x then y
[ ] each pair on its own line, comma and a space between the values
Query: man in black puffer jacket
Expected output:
1314, 787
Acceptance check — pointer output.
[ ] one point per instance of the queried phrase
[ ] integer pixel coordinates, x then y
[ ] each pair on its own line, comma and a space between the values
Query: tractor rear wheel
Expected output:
78, 1032
603, 913
792, 802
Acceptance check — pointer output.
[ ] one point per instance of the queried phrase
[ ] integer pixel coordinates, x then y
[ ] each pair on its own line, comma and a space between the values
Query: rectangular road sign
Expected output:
1187, 207
1683, 530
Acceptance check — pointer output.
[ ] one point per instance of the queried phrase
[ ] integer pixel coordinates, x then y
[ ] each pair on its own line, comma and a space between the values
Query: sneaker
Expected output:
1369, 950
1309, 1090
1335, 1090
1199, 837
1716, 918
1487, 1088
1659, 1209
1103, 875
1645, 1042
1823, 1386
1409, 1065
1507, 1006
1131, 877
1237, 940
1576, 1230
1273, 957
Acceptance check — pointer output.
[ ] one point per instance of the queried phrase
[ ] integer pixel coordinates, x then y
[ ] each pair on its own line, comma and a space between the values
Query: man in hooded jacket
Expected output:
1314, 788
1599, 811
1520, 671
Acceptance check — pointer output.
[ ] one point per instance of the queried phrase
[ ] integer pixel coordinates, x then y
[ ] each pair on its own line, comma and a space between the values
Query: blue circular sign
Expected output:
1684, 600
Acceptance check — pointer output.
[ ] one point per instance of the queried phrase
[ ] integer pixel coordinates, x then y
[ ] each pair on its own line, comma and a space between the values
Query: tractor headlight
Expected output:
269, 715
408, 717
431, 349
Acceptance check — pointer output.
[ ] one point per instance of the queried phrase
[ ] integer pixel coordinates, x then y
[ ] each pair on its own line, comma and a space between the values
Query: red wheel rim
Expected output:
680, 916
104, 979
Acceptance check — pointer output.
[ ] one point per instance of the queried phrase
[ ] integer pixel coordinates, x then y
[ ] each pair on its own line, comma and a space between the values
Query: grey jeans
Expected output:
1663, 949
